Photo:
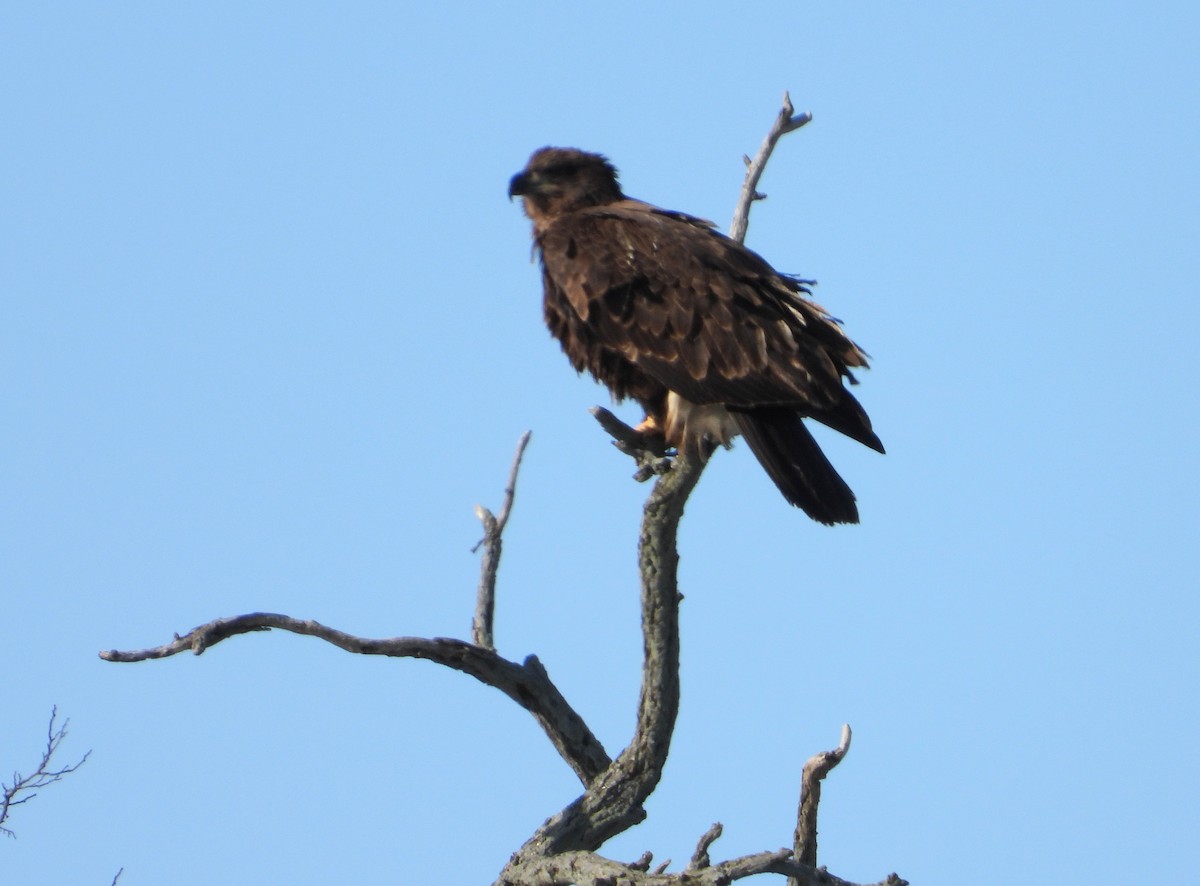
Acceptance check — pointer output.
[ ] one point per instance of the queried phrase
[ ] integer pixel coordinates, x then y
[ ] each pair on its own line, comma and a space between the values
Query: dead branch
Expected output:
613, 803
700, 859
817, 767
527, 684
577, 868
25, 787
643, 862
787, 121
493, 529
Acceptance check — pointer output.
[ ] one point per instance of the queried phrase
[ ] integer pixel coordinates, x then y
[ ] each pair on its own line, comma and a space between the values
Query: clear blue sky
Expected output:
270, 331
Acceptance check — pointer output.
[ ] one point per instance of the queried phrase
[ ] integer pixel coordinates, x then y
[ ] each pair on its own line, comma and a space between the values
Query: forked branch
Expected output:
24, 788
526, 683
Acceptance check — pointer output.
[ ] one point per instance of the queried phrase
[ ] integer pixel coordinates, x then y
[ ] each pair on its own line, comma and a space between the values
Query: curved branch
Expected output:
527, 684
700, 858
817, 767
613, 803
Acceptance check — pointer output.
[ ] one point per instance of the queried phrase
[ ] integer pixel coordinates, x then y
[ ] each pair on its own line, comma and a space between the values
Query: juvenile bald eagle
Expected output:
708, 337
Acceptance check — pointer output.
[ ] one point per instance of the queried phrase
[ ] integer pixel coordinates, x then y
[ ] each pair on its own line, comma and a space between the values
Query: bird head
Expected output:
559, 180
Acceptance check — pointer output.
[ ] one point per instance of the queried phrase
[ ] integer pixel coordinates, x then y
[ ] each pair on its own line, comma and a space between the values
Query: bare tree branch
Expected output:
784, 123
578, 868
527, 684
613, 803
817, 767
700, 859
643, 863
493, 528
24, 787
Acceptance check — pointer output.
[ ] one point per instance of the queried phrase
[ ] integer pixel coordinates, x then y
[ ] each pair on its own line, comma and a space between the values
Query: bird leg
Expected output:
650, 436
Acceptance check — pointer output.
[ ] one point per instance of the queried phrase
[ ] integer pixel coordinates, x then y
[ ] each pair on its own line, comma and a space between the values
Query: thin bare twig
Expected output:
787, 121
817, 767
24, 787
493, 529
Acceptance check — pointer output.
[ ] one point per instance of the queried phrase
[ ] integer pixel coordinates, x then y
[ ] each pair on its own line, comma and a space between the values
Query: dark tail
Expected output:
796, 464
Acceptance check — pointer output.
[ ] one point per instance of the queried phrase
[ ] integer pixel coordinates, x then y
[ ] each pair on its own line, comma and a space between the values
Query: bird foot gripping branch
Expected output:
645, 444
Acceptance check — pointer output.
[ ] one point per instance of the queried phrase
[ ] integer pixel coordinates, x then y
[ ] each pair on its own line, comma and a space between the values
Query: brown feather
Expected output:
650, 301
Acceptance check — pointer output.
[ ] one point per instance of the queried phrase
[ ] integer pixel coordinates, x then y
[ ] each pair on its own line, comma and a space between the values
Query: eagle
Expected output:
711, 340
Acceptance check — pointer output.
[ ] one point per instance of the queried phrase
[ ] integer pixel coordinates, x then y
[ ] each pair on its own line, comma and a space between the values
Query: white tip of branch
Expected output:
844, 744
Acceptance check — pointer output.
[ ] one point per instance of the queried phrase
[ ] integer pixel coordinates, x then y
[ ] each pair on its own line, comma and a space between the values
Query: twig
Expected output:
643, 862
784, 123
493, 528
700, 859
527, 684
24, 787
817, 767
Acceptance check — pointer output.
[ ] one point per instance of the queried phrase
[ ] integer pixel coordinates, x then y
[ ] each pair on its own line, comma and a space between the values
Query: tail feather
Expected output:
850, 418
796, 464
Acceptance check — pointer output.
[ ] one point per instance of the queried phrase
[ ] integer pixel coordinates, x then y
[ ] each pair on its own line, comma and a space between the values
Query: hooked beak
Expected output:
522, 183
